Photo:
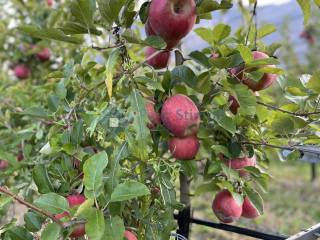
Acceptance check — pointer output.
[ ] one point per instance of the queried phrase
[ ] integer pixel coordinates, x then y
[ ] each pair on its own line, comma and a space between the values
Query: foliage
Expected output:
80, 124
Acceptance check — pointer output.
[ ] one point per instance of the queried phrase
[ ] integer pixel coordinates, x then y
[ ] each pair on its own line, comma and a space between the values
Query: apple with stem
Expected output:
172, 20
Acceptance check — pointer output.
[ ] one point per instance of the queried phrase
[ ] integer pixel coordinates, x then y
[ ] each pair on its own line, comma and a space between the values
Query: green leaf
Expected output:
224, 121
151, 83
317, 2
306, 9
93, 172
33, 222
78, 28
201, 58
110, 9
255, 199
185, 75
114, 167
50, 33
207, 6
83, 11
266, 30
52, 203
206, 34
262, 62
51, 232
246, 53
114, 228
314, 82
41, 179
140, 117
220, 32
95, 225
38, 112
155, 42
129, 190
19, 233
77, 132
246, 99
110, 68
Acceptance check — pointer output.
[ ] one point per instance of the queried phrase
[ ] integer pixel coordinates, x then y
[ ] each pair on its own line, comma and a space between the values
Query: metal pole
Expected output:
313, 172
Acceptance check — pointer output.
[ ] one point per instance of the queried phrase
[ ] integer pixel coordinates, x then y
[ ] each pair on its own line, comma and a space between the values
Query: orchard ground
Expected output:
290, 206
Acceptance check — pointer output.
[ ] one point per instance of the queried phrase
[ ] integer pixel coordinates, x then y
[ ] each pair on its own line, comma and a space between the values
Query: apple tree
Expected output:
99, 120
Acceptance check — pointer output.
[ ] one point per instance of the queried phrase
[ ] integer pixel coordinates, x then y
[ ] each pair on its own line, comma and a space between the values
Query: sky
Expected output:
269, 2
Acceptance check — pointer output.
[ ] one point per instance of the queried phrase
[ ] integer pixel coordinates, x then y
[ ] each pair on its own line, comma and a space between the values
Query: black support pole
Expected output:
313, 172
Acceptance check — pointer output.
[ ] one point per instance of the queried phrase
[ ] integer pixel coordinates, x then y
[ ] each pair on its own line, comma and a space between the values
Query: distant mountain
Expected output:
275, 14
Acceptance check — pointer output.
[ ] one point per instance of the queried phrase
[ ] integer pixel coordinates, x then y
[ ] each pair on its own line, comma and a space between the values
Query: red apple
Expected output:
74, 200
240, 163
249, 210
180, 116
153, 116
129, 235
234, 105
159, 61
4, 164
184, 148
151, 32
21, 71
266, 80
172, 19
226, 208
50, 3
44, 55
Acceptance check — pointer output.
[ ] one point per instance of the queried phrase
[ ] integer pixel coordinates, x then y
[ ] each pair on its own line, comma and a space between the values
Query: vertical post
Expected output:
313, 172
185, 214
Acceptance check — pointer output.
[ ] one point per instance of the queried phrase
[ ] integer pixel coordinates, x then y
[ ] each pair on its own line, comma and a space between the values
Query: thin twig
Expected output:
288, 112
254, 12
106, 48
31, 206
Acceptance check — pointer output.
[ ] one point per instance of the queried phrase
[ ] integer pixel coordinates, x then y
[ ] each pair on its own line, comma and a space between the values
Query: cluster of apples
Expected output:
180, 115
239, 73
225, 207
22, 71
79, 230
171, 20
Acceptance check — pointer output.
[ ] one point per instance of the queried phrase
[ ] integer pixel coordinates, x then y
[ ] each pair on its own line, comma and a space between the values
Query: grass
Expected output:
290, 206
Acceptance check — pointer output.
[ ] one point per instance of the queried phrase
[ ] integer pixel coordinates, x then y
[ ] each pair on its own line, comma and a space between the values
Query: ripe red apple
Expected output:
159, 61
129, 235
50, 3
153, 116
266, 80
151, 32
249, 210
184, 148
240, 163
234, 105
74, 200
226, 208
21, 71
172, 19
307, 35
180, 116
4, 164
44, 55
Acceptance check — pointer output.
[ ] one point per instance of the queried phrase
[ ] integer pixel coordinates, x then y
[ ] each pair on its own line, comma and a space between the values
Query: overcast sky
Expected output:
269, 2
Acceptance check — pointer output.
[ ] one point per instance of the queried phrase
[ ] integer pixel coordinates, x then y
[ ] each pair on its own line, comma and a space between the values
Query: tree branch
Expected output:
288, 112
107, 48
31, 206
